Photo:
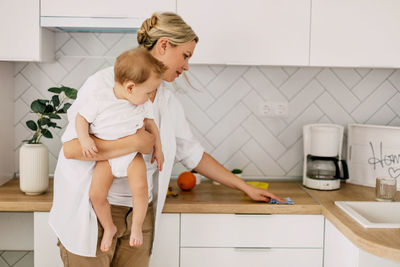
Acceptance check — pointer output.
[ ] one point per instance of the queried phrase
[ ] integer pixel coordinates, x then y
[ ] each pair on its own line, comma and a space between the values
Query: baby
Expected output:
113, 113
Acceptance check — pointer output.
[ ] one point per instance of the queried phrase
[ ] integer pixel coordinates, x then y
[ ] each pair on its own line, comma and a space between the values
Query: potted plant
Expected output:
33, 155
237, 172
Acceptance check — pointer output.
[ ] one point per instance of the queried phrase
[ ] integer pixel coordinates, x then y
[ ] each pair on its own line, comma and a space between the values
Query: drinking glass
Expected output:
385, 189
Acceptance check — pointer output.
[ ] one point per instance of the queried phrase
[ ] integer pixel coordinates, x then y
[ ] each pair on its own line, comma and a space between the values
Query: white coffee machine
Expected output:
323, 167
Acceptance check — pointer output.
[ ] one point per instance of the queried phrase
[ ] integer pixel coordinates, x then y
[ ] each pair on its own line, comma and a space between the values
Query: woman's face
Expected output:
175, 58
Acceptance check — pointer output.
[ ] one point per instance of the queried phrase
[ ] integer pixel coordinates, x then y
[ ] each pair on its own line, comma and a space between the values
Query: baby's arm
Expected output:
158, 155
88, 146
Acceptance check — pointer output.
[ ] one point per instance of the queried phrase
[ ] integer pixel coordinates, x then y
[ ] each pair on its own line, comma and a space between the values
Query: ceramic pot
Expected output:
33, 169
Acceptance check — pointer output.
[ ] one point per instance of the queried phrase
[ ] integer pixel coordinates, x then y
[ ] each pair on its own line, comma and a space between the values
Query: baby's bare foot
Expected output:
106, 241
136, 239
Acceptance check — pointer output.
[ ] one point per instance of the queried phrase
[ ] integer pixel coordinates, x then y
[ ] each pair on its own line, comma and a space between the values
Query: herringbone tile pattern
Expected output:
224, 109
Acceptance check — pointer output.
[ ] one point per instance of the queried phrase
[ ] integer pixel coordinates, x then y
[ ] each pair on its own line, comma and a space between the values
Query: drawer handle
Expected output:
252, 248
252, 214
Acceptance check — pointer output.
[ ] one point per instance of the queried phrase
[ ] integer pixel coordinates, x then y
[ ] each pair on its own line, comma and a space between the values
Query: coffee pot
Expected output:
323, 166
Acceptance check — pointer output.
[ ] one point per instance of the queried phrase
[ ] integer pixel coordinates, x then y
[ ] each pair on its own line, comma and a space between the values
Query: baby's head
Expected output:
139, 73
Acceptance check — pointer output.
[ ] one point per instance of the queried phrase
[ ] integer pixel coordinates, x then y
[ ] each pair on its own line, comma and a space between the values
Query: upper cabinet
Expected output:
352, 33
252, 32
22, 37
105, 8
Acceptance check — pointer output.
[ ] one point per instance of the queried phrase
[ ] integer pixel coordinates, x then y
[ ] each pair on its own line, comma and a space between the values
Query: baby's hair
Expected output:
137, 65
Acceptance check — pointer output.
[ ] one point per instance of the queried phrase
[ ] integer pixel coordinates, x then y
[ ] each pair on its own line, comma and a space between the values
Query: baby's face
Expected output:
142, 92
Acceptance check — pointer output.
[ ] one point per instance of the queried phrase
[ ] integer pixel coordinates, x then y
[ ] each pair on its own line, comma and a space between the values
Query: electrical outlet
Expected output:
274, 109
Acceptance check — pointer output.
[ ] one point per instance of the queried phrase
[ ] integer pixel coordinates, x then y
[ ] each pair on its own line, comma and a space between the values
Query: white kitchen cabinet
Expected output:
253, 32
166, 243
22, 37
46, 252
339, 251
355, 33
254, 257
251, 240
105, 8
7, 121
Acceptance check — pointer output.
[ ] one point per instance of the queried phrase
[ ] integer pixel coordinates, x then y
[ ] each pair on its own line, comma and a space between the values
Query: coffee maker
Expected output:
323, 167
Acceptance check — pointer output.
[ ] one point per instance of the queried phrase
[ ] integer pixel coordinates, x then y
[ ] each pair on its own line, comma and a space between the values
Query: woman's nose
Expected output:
186, 65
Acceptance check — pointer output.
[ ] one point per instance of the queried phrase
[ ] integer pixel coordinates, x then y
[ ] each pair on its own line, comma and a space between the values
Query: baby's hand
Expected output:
158, 155
89, 148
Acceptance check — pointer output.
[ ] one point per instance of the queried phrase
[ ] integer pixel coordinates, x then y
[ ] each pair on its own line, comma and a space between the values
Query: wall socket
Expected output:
274, 109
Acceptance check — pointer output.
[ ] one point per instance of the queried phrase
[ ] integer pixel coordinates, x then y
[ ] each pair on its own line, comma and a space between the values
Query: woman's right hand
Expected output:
146, 141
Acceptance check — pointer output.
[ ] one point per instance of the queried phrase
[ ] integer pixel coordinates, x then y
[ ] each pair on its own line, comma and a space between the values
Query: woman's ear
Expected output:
130, 86
162, 45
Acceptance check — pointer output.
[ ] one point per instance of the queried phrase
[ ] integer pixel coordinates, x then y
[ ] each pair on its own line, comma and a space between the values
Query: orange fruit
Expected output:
186, 181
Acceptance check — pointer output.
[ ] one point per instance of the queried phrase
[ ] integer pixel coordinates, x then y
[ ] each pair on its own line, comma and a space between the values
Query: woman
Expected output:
172, 41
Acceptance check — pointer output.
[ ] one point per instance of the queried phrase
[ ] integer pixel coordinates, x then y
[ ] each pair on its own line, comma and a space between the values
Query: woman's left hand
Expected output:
259, 194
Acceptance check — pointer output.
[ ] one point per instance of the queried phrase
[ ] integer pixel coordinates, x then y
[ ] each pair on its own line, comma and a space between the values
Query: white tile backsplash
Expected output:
224, 111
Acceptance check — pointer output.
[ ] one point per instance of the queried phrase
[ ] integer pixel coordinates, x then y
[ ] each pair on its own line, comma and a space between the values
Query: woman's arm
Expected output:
142, 142
210, 168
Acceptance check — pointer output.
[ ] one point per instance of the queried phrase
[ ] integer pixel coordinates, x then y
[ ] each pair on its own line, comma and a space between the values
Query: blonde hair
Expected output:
168, 25
137, 65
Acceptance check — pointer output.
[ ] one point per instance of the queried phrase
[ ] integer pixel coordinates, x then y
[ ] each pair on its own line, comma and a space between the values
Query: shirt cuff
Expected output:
193, 160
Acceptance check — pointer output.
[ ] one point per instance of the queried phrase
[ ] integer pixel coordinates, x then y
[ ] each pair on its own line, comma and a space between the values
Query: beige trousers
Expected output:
120, 253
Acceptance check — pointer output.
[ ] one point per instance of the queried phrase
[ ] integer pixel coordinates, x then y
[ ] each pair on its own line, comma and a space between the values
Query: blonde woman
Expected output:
170, 40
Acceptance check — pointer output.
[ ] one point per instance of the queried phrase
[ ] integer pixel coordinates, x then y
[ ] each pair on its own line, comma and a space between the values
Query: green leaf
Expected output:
55, 90
49, 109
66, 107
38, 107
45, 121
46, 133
43, 101
70, 92
54, 116
52, 124
31, 125
55, 100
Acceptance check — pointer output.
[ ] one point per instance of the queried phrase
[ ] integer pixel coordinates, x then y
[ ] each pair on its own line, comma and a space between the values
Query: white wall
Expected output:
224, 112
6, 121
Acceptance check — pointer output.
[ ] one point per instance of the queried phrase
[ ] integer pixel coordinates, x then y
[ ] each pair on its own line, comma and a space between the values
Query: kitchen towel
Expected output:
288, 201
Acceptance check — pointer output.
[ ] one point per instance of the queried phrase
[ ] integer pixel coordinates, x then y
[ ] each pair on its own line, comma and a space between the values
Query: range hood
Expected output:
91, 24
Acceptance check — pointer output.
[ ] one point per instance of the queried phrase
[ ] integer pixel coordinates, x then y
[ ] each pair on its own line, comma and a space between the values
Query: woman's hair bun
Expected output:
143, 32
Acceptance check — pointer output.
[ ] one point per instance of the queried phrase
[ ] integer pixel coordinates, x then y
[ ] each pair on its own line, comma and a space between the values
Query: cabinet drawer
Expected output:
230, 230
236, 257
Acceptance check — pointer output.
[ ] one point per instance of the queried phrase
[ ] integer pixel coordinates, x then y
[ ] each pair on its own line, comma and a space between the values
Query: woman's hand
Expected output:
259, 194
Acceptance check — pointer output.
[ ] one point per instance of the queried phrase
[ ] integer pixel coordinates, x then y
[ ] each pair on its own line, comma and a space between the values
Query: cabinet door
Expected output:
358, 33
253, 32
22, 37
105, 8
166, 243
46, 251
254, 257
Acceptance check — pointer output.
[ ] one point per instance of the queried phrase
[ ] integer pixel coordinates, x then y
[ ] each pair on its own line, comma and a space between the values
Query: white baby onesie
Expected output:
111, 118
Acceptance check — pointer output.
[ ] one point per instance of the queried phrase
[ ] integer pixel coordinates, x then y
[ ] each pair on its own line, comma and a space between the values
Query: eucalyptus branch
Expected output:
47, 111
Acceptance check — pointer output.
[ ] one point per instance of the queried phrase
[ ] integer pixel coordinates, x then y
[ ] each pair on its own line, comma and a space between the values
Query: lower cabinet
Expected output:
45, 250
340, 251
251, 240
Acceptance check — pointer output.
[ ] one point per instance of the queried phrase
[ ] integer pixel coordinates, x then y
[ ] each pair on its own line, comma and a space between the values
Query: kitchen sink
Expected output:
371, 214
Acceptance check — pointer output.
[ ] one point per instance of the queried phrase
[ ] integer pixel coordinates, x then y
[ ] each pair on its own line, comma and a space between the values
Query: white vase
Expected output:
33, 169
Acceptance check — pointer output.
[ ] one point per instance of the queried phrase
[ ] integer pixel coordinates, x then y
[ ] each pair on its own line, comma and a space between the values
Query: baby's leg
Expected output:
101, 182
138, 185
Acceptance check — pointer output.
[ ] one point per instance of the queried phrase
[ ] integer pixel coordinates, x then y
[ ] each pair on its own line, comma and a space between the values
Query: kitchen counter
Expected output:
210, 198
380, 242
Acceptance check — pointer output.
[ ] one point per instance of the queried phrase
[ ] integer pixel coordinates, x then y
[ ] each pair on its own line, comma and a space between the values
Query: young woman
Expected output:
170, 40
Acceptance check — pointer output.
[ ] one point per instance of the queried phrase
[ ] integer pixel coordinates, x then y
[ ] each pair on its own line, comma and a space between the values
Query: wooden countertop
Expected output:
380, 242
12, 199
209, 198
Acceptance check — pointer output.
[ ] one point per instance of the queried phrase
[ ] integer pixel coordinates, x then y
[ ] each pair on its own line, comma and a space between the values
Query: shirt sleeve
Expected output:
189, 151
90, 110
148, 110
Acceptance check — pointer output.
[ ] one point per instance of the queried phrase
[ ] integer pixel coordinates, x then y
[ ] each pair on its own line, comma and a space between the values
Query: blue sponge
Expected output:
288, 201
